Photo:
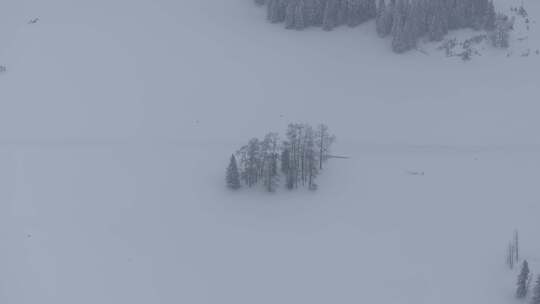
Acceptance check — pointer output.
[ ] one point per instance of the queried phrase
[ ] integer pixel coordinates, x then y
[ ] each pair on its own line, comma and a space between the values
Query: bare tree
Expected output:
270, 153
516, 245
324, 142
512, 252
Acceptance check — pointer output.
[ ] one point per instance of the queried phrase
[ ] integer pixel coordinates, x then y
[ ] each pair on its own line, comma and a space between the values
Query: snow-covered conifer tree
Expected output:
437, 21
290, 12
370, 9
330, 15
380, 21
536, 292
276, 10
400, 38
233, 176
490, 17
299, 20
313, 12
521, 291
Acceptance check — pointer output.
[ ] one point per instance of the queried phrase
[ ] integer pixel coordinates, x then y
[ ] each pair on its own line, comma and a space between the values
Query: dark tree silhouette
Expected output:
233, 176
523, 277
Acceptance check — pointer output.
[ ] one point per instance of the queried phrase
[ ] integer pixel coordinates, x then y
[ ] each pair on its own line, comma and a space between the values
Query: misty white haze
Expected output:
118, 119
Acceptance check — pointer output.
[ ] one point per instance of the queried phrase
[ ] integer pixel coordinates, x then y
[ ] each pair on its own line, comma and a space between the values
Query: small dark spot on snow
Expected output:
33, 21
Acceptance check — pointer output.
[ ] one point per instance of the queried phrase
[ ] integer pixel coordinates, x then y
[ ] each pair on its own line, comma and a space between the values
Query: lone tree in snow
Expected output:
233, 176
536, 292
522, 282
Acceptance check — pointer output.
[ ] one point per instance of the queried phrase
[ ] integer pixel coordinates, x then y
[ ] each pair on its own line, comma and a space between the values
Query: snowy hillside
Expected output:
117, 119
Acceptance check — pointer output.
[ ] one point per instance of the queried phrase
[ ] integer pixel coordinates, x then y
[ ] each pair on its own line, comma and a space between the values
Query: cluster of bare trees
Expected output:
298, 159
258, 162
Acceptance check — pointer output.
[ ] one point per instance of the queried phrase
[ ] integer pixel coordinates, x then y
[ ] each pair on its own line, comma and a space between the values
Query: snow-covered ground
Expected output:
117, 119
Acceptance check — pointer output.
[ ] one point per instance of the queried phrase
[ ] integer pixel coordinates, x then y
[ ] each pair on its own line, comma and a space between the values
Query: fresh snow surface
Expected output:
117, 119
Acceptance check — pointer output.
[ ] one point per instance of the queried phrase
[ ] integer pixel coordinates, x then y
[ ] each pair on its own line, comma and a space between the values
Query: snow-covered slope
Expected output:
117, 119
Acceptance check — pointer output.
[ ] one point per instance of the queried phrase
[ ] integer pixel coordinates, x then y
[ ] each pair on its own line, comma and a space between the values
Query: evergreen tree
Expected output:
352, 12
490, 16
536, 292
461, 14
523, 277
371, 9
330, 15
341, 13
405, 20
299, 20
479, 10
437, 21
380, 22
400, 41
413, 25
313, 12
290, 13
233, 176
422, 13
276, 10
388, 18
